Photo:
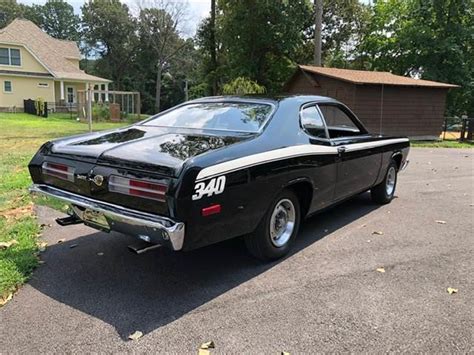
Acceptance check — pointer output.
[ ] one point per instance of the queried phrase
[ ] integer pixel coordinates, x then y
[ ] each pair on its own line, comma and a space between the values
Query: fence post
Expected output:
445, 128
139, 109
89, 106
463, 128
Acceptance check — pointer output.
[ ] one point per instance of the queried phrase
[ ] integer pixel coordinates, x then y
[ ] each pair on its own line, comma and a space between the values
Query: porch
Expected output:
67, 94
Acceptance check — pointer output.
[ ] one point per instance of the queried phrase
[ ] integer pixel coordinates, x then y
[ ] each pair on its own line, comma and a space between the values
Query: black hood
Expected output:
163, 150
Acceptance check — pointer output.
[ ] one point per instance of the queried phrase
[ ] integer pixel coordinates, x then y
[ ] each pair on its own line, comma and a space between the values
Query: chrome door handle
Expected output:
341, 150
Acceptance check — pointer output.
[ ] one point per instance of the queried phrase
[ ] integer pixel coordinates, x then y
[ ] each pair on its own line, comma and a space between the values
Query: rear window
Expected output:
227, 116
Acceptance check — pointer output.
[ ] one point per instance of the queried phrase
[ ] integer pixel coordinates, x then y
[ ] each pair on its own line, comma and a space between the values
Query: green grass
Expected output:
441, 144
20, 137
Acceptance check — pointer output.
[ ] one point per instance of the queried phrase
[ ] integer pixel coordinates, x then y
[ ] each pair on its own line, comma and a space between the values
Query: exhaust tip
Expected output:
142, 247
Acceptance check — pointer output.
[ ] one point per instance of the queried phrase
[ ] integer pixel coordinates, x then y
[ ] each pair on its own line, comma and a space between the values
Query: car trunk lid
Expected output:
143, 148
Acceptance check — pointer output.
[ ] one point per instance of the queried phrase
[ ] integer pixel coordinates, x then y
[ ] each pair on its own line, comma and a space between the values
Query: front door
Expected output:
323, 166
358, 163
70, 95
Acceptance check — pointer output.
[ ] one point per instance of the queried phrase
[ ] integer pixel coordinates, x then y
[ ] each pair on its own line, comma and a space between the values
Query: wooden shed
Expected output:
384, 102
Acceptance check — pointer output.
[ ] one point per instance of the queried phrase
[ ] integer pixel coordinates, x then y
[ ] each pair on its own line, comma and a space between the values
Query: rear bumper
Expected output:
152, 228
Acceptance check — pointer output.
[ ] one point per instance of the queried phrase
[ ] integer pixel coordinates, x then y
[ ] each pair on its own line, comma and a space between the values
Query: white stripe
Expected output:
360, 146
285, 153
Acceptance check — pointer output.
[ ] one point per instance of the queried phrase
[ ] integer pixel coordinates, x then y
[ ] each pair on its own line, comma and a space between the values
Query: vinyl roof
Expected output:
372, 77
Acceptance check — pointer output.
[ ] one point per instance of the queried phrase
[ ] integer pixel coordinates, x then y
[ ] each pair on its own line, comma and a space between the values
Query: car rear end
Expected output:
108, 197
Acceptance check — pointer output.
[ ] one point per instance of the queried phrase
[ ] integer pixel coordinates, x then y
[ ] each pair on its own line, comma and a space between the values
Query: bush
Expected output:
243, 86
100, 112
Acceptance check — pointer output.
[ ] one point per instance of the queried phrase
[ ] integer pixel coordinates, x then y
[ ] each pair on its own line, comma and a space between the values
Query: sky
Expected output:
197, 10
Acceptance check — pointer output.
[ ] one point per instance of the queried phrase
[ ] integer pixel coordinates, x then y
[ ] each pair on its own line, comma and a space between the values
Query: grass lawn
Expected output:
20, 137
442, 144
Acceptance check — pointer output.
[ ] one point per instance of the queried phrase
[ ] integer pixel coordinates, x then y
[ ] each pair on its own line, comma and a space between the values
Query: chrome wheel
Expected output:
282, 222
390, 182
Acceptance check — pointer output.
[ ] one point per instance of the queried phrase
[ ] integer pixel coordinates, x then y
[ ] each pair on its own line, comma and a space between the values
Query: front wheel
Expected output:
383, 193
276, 232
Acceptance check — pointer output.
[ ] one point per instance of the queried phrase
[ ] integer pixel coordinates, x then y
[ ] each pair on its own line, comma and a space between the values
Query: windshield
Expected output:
228, 116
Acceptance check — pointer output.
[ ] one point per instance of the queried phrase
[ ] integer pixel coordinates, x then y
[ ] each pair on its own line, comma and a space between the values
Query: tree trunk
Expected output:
158, 89
213, 47
318, 7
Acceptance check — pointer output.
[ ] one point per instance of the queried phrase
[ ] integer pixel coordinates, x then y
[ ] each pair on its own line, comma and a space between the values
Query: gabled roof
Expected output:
372, 77
52, 53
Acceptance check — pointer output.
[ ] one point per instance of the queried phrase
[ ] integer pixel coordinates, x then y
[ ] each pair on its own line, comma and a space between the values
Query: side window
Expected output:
312, 122
338, 122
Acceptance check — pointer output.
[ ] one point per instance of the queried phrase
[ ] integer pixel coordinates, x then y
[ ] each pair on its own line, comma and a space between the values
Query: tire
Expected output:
275, 235
384, 192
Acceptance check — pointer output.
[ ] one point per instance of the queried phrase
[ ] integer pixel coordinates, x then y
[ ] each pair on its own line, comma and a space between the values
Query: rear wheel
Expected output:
276, 232
383, 193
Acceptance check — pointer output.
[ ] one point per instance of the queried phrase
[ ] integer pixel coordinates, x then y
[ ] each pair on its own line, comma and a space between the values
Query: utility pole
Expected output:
318, 22
213, 48
186, 90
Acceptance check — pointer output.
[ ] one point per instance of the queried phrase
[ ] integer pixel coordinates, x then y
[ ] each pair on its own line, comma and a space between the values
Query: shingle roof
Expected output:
372, 77
51, 52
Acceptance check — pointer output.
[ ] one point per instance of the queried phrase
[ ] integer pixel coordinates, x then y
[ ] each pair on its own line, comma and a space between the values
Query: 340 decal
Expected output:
215, 186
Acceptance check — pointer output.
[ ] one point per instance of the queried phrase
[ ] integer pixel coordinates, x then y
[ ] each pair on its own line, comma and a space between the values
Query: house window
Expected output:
7, 86
43, 85
70, 95
10, 56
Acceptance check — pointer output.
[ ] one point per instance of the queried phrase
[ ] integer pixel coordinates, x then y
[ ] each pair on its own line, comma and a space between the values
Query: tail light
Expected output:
60, 171
208, 211
140, 188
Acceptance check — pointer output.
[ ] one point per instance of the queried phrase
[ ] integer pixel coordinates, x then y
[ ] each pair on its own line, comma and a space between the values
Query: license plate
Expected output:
95, 219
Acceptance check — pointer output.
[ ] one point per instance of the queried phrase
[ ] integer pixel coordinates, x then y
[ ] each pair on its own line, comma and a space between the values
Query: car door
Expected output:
358, 164
323, 166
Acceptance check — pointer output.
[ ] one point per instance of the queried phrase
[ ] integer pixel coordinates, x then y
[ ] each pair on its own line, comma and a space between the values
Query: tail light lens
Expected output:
60, 171
140, 188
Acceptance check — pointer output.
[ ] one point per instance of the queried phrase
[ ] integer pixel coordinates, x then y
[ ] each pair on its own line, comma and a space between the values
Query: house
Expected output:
384, 102
35, 65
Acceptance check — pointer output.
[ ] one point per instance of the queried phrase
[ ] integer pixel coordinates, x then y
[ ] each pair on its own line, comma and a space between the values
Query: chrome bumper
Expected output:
146, 226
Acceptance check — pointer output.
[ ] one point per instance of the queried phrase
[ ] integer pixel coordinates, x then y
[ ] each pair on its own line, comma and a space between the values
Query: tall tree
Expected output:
110, 33
57, 18
213, 44
344, 23
159, 28
211, 67
318, 24
261, 38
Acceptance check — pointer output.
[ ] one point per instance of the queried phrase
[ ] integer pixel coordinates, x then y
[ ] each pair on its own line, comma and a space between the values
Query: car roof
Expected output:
265, 98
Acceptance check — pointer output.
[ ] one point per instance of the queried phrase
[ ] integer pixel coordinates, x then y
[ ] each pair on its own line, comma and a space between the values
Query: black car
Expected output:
220, 167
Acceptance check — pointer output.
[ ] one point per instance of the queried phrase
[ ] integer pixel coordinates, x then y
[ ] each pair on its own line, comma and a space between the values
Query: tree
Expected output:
212, 64
344, 22
260, 38
10, 9
213, 45
110, 33
57, 18
159, 29
431, 39
318, 24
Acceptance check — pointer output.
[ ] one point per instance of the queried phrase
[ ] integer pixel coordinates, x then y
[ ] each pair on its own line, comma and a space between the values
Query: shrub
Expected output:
243, 86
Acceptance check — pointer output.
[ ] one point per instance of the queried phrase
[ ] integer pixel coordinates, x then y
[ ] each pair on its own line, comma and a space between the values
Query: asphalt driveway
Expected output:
326, 296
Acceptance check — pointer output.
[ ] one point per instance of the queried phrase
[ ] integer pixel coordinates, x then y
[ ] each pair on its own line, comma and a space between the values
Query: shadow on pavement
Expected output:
144, 292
